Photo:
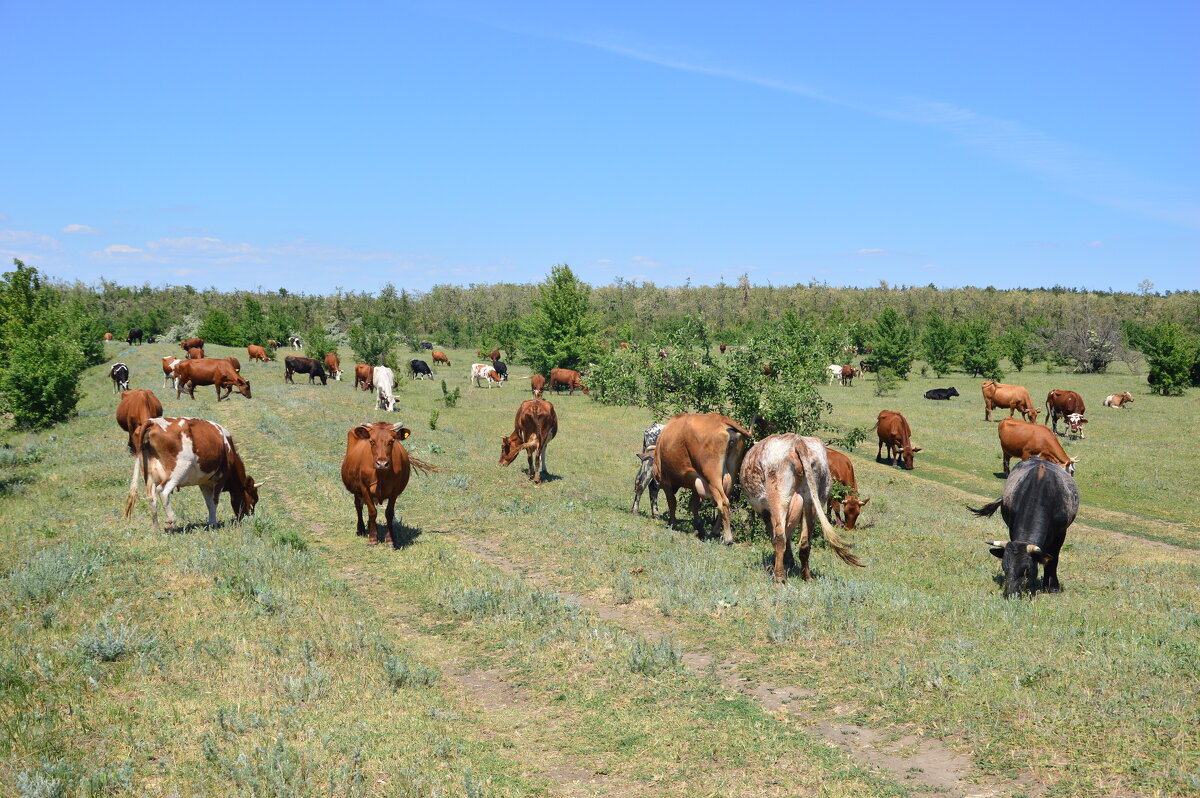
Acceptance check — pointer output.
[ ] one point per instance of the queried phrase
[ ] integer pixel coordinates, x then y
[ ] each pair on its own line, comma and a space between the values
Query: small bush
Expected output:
401, 672
886, 382
651, 659
53, 572
623, 588
108, 641
450, 398
433, 419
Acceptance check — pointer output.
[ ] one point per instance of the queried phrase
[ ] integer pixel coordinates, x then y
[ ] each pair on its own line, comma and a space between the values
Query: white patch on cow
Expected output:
384, 380
160, 422
482, 371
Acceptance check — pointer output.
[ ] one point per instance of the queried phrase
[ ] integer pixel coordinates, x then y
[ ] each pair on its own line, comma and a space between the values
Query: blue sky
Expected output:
313, 146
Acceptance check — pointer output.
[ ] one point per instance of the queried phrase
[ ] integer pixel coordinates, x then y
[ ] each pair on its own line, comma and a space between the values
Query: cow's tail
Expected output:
422, 466
839, 546
987, 510
735, 450
139, 467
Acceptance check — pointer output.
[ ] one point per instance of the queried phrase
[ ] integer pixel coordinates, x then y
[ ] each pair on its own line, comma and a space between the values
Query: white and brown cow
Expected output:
1118, 400
484, 372
172, 453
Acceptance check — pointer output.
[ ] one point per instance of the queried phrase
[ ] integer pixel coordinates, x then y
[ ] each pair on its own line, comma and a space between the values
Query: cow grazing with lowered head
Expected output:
295, 342
1067, 405
171, 453
218, 373
384, 380
567, 378
135, 335
1039, 503
844, 511
191, 343
894, 432
333, 365
701, 452
484, 372
257, 353
375, 470
362, 377
136, 408
426, 345
1118, 400
439, 357
1014, 397
535, 425
645, 474
119, 374
168, 366
786, 480
941, 393
294, 364
537, 383
237, 364
1024, 439
419, 369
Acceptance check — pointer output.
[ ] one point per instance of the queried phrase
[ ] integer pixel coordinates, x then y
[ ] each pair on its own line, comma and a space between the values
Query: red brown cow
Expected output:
1014, 397
257, 353
703, 453
1023, 439
172, 453
495, 355
723, 347
440, 357
333, 365
623, 345
376, 470
233, 361
218, 373
195, 353
566, 378
535, 425
1118, 400
136, 408
191, 343
846, 510
538, 383
362, 377
1067, 405
895, 433
108, 336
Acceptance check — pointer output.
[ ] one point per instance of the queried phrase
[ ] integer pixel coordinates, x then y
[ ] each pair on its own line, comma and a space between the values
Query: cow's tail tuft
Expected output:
987, 510
839, 546
422, 466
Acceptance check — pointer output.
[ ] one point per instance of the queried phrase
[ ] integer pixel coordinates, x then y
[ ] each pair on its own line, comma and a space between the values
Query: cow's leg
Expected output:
358, 508
390, 517
694, 507
211, 495
372, 527
653, 497
1007, 457
800, 514
165, 491
542, 458
1050, 577
987, 410
879, 451
779, 542
533, 474
671, 502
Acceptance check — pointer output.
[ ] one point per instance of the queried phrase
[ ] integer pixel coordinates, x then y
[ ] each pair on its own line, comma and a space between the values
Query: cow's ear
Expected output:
996, 547
864, 502
402, 432
916, 450
362, 432
1082, 421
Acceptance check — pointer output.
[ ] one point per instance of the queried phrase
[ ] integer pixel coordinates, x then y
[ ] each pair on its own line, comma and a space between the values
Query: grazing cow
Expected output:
295, 342
195, 353
169, 364
134, 335
119, 374
566, 378
237, 364
495, 355
482, 371
191, 343
844, 373
895, 433
1014, 397
662, 354
271, 342
419, 369
384, 380
723, 347
362, 377
150, 339
941, 393
136, 408
645, 473
376, 470
538, 383
1024, 439
333, 365
215, 372
849, 506
1039, 503
172, 453
1068, 405
440, 357
535, 425
768, 370
623, 345
294, 364
786, 480
257, 353
701, 452
501, 369
426, 345
108, 336
1118, 400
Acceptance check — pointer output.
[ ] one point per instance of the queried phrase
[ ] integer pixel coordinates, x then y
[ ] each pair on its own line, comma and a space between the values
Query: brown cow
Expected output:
1118, 400
701, 452
723, 347
257, 353
169, 364
848, 507
440, 357
271, 342
237, 364
195, 353
623, 345
136, 408
534, 427
191, 343
495, 355
218, 373
1067, 405
376, 469
894, 432
1014, 397
538, 383
566, 378
108, 336
1022, 440
362, 376
333, 365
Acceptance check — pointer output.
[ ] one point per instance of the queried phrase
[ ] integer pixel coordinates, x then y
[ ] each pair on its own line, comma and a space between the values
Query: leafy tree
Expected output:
372, 340
561, 330
318, 343
980, 351
1016, 344
1171, 356
892, 343
939, 344
253, 327
218, 329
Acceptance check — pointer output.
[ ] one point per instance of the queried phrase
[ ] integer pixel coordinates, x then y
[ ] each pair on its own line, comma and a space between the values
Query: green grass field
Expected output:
543, 641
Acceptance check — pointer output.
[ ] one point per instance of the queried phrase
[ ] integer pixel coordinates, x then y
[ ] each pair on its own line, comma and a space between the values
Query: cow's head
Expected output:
1019, 560
1076, 421
1071, 461
582, 387
382, 436
851, 507
1127, 396
952, 392
510, 447
243, 386
1030, 413
907, 455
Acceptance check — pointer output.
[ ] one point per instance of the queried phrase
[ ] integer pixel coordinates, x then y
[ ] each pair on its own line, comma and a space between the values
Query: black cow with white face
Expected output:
419, 369
303, 365
1040, 501
119, 374
941, 393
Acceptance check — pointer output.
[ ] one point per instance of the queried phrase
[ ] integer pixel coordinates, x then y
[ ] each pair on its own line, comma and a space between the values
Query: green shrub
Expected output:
450, 398
217, 328
108, 641
401, 672
651, 659
892, 342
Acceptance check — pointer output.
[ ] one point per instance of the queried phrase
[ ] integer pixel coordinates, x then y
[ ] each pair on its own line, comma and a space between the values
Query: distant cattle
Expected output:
662, 354
894, 432
362, 377
295, 342
844, 511
333, 365
440, 357
218, 373
1067, 405
375, 470
271, 342
1039, 503
294, 364
535, 425
501, 369
866, 366
1014, 397
1024, 439
108, 336
171, 453
484, 372
191, 343
844, 373
119, 374
701, 452
723, 347
538, 384
1118, 400
786, 480
623, 345
645, 474
426, 345
495, 355
195, 353
137, 407
419, 369
257, 353
384, 380
168, 366
566, 378
941, 393
135, 336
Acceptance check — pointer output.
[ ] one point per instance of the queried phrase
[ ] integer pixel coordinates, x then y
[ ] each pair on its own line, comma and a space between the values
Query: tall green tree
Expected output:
217, 328
939, 344
561, 332
372, 340
980, 350
892, 343
1017, 345
253, 327
1170, 355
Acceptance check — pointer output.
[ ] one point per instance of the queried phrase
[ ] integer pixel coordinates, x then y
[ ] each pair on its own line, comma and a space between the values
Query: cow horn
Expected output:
994, 544
258, 485
397, 427
1031, 548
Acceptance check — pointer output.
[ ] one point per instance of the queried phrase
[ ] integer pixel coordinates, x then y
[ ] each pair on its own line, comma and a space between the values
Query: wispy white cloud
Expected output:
1094, 244
80, 230
869, 252
27, 239
119, 249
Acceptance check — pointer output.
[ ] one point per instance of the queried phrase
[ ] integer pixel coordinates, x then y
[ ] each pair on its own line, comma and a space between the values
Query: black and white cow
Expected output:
941, 393
419, 369
500, 368
295, 342
119, 374
303, 365
1040, 501
645, 473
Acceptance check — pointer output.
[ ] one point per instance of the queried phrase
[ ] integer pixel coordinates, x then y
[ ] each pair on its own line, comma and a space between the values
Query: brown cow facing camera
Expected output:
375, 470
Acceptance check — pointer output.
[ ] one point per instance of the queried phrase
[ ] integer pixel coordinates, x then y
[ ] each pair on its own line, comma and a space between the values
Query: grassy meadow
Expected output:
531, 640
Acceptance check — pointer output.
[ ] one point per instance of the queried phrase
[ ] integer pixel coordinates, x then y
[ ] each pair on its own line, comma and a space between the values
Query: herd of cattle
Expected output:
792, 482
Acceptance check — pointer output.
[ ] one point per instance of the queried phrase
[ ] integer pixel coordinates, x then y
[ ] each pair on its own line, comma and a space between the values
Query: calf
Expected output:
362, 377
645, 473
566, 378
482, 371
440, 357
119, 374
136, 408
786, 480
1024, 439
1014, 397
375, 470
257, 353
894, 432
535, 425
1068, 405
384, 380
218, 373
538, 384
701, 452
293, 364
848, 507
333, 365
941, 393
848, 375
1040, 501
1118, 400
419, 369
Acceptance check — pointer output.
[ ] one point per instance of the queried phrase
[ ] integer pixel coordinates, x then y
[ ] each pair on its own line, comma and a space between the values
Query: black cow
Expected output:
500, 369
303, 365
1040, 501
941, 393
134, 335
119, 374
426, 344
419, 369
150, 339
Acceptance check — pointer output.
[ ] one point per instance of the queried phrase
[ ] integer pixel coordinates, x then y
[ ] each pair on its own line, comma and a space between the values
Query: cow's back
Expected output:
1024, 439
690, 439
1040, 498
840, 468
